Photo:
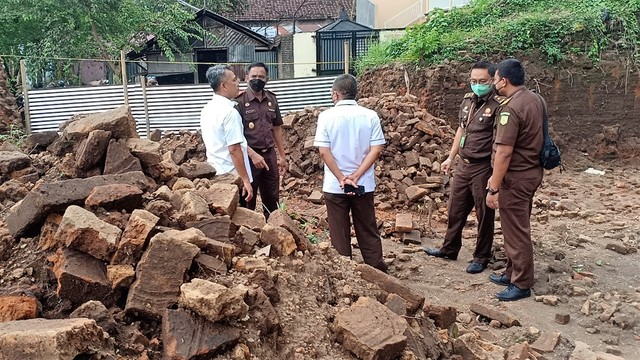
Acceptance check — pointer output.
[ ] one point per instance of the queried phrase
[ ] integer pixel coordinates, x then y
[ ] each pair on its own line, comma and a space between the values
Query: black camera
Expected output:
350, 189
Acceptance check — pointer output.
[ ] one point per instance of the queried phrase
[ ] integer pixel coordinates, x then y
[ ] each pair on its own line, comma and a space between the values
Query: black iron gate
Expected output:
330, 49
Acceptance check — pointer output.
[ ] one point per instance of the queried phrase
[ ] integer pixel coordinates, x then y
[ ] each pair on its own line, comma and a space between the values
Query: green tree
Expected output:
44, 29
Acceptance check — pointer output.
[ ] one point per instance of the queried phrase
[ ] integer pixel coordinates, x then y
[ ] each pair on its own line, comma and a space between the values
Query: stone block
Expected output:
134, 237
159, 275
54, 197
442, 316
92, 150
518, 352
396, 304
115, 197
213, 301
404, 223
60, 339
316, 197
469, 346
211, 263
247, 238
81, 277
120, 276
217, 228
222, 199
118, 121
282, 219
119, 159
48, 240
14, 307
196, 169
415, 193
187, 336
261, 311
11, 161
494, 314
547, 342
194, 208
279, 238
391, 284
352, 328
249, 264
248, 218
82, 230
413, 237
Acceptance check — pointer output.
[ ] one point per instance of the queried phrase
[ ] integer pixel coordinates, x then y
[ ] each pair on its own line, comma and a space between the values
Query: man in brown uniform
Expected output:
473, 143
517, 174
263, 130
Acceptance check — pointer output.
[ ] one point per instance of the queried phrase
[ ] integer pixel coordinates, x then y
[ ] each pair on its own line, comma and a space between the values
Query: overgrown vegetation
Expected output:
15, 135
558, 30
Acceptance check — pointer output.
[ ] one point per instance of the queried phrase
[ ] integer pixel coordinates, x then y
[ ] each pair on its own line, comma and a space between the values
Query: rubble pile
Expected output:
117, 247
409, 167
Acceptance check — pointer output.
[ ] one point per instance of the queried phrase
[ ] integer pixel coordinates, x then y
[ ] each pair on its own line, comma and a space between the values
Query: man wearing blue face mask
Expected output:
472, 144
263, 129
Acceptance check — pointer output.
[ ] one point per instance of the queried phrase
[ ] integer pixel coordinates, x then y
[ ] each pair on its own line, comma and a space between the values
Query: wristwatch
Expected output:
492, 191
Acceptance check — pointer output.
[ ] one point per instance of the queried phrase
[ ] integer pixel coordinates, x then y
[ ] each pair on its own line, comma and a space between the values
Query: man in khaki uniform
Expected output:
517, 174
263, 129
472, 143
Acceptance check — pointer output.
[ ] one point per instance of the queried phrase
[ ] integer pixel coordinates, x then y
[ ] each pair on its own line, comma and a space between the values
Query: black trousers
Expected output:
468, 190
267, 182
364, 222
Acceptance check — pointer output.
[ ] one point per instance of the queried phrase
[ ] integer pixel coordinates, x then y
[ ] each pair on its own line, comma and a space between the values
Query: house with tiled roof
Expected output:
279, 17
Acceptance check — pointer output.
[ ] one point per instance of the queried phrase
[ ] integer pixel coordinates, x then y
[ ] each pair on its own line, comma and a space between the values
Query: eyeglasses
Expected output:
481, 82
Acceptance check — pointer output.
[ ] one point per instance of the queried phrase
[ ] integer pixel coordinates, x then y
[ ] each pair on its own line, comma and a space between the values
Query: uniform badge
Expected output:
246, 104
251, 125
504, 118
269, 103
466, 108
487, 111
481, 119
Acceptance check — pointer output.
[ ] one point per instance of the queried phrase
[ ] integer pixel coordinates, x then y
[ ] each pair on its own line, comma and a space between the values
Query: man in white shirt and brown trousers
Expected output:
350, 139
222, 129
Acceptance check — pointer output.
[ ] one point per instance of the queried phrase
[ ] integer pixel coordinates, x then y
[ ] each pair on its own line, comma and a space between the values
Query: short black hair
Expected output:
346, 85
257, 64
215, 76
485, 65
513, 70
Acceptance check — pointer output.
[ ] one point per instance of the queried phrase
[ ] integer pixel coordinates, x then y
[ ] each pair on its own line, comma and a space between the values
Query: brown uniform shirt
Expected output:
259, 118
476, 117
519, 124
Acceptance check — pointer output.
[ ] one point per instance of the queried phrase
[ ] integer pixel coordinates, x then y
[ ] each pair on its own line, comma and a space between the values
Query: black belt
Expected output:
475, 161
262, 151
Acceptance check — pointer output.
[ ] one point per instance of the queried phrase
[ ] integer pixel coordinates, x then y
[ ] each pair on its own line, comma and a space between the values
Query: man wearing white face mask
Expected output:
472, 144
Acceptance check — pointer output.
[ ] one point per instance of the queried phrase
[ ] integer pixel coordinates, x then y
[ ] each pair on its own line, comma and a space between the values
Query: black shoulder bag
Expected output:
550, 154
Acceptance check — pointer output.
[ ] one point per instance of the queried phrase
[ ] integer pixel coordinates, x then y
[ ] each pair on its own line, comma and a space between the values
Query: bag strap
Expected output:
545, 118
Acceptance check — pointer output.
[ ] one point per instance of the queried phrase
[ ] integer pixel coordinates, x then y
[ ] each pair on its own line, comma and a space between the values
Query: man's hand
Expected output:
492, 201
247, 190
351, 179
283, 165
258, 161
446, 166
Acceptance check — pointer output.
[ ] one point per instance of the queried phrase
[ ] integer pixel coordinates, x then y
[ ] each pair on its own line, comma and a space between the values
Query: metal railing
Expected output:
407, 16
170, 107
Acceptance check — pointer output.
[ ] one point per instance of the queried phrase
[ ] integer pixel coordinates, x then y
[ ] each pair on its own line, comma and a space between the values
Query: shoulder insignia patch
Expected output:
504, 118
504, 101
468, 95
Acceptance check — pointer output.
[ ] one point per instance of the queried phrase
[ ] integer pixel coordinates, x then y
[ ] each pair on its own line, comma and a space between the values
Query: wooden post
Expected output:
143, 83
347, 54
25, 95
125, 80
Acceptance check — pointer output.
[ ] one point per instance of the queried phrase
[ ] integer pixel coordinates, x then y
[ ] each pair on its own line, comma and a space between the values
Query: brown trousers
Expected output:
364, 222
267, 182
468, 190
516, 201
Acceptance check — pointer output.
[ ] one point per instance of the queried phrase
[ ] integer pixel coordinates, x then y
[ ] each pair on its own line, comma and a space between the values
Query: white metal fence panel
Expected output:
170, 107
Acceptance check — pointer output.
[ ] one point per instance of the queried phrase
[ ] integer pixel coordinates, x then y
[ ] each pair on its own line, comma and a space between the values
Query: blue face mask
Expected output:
481, 89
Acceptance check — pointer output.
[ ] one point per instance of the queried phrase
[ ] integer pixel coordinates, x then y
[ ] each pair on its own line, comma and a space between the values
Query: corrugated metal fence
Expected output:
171, 107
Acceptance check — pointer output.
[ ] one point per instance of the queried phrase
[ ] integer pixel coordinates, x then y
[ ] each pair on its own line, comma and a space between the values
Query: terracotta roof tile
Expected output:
275, 10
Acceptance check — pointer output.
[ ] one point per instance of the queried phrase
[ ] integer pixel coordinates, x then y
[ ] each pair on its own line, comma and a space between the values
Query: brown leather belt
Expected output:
475, 161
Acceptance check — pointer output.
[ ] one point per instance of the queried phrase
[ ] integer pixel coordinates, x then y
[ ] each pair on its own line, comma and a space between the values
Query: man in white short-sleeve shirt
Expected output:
350, 139
222, 130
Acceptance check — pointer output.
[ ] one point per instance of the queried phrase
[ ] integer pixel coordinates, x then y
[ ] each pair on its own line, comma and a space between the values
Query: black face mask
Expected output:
257, 84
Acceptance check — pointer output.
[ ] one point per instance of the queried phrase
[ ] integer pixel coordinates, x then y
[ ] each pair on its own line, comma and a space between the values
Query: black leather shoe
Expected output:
513, 293
475, 268
437, 253
500, 279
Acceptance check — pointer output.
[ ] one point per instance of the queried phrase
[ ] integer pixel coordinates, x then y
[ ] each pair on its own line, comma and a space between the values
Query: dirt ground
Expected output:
598, 210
